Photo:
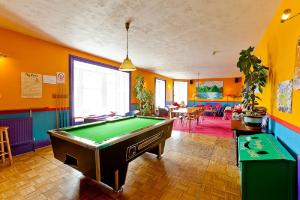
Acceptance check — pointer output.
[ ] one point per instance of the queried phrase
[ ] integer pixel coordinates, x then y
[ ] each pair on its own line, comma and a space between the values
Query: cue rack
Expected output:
61, 105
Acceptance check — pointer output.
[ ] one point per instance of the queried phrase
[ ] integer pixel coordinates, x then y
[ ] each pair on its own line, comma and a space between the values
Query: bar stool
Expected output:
4, 139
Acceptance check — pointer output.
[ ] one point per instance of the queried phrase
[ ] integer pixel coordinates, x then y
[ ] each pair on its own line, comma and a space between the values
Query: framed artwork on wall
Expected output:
209, 90
284, 96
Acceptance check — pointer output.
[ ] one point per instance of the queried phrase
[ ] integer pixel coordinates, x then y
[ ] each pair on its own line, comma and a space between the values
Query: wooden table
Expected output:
171, 109
239, 128
190, 113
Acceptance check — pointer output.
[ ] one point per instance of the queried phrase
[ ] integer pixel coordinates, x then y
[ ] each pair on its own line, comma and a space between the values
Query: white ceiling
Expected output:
175, 38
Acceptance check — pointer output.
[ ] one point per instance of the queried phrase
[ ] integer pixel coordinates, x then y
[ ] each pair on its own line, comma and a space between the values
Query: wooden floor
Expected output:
193, 167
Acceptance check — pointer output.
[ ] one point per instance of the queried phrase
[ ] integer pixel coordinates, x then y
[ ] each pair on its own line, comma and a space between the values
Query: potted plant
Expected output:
144, 96
255, 78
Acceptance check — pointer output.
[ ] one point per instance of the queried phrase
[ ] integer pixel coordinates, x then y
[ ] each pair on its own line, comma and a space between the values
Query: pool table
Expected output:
102, 150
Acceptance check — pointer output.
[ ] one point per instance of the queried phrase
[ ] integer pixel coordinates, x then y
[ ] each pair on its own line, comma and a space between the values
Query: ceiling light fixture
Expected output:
286, 15
127, 64
215, 52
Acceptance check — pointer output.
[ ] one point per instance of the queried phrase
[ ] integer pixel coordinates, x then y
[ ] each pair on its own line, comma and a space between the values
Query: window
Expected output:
180, 92
160, 93
99, 90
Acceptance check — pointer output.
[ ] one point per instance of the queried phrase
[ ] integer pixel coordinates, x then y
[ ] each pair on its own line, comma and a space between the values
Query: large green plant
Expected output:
144, 96
255, 78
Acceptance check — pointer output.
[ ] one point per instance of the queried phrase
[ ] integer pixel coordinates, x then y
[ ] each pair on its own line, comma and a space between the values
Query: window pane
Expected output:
180, 91
99, 90
160, 93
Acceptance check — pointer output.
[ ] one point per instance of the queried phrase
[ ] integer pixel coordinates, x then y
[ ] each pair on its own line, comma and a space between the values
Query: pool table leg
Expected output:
117, 181
97, 162
159, 151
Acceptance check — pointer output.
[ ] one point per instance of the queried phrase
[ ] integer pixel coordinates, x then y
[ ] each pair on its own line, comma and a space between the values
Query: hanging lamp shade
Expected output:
127, 65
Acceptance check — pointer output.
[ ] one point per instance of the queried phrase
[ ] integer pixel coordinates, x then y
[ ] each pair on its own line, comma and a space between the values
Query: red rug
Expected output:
213, 126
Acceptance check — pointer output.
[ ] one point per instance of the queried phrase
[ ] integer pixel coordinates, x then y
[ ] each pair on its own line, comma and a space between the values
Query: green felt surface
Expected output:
104, 131
250, 148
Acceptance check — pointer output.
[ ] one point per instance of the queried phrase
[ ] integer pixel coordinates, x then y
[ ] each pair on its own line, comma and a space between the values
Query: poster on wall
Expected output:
31, 85
297, 67
210, 90
284, 96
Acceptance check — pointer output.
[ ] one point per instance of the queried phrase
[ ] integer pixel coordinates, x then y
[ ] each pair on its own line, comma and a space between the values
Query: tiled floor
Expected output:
193, 167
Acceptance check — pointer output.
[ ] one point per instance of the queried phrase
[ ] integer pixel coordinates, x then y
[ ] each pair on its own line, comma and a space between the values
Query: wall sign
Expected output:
49, 79
31, 85
60, 77
284, 96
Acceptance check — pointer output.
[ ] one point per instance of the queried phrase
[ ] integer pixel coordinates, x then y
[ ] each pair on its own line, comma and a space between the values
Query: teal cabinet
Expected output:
268, 171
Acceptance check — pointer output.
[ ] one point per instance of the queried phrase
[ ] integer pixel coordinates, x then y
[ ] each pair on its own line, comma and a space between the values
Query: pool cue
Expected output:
56, 106
60, 107
64, 107
58, 103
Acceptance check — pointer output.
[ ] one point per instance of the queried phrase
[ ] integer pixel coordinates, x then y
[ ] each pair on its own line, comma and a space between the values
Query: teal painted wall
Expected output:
289, 137
223, 103
42, 122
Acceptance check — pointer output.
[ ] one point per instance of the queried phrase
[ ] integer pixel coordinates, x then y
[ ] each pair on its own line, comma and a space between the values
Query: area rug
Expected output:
213, 126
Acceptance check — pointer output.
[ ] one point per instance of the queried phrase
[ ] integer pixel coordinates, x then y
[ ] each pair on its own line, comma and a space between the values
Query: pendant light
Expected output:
127, 64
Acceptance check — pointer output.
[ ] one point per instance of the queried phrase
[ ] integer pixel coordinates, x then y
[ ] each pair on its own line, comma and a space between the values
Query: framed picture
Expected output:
284, 96
209, 90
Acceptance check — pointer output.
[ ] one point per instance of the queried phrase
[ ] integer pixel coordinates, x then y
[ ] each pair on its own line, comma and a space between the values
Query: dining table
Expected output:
190, 113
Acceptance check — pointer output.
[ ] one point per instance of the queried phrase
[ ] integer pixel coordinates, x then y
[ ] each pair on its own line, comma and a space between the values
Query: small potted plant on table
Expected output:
255, 78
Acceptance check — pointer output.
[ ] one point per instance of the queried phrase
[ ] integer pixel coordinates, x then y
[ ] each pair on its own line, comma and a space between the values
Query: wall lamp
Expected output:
286, 15
2, 55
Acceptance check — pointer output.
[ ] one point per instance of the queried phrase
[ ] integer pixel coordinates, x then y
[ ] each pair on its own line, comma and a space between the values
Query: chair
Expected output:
227, 113
190, 116
200, 114
163, 112
218, 106
209, 109
219, 109
4, 139
131, 113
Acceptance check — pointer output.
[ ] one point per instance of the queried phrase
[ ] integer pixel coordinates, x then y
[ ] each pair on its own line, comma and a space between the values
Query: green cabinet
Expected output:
268, 171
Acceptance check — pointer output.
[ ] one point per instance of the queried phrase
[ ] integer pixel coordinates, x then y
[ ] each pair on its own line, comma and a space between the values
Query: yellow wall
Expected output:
229, 88
28, 54
277, 50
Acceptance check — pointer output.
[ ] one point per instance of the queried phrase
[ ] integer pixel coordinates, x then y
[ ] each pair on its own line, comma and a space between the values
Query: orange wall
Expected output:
229, 88
28, 54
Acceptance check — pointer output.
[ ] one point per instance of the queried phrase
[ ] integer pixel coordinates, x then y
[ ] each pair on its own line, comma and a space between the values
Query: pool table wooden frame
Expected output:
107, 162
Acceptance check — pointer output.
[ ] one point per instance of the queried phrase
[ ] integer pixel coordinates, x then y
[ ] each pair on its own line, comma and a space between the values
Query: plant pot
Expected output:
253, 122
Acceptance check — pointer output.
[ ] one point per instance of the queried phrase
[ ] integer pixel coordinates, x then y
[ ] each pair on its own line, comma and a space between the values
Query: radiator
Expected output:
20, 134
